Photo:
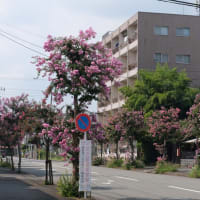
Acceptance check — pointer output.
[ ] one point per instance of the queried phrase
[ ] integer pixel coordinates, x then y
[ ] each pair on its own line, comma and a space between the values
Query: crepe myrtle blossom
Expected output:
193, 120
76, 67
164, 126
132, 123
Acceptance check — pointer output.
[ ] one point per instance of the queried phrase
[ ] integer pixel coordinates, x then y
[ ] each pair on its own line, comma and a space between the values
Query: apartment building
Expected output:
147, 39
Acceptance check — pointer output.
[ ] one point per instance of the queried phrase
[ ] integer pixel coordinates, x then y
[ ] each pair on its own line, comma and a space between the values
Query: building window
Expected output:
185, 32
161, 30
160, 58
183, 59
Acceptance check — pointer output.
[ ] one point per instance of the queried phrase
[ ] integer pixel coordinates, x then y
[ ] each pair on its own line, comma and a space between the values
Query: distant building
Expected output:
147, 39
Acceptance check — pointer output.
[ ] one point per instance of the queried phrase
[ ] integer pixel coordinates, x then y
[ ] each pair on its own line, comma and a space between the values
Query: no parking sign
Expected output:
83, 122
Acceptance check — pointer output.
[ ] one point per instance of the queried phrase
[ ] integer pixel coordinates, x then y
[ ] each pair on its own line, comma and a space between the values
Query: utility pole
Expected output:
185, 3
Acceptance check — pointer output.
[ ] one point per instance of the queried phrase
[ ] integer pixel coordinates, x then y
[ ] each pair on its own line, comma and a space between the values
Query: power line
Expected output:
196, 5
31, 49
25, 31
14, 36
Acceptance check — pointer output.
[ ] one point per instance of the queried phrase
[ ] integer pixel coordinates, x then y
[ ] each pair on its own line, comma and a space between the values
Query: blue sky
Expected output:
33, 20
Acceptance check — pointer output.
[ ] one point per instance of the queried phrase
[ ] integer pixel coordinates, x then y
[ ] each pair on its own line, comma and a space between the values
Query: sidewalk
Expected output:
15, 186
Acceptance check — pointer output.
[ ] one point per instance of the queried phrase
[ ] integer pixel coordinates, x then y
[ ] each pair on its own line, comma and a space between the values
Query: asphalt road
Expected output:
115, 184
12, 188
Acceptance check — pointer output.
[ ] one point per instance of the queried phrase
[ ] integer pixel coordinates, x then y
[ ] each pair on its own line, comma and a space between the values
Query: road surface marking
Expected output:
94, 173
180, 188
93, 179
109, 182
126, 178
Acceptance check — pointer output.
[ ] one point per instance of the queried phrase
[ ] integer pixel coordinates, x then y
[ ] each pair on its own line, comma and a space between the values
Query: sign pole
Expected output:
85, 138
83, 124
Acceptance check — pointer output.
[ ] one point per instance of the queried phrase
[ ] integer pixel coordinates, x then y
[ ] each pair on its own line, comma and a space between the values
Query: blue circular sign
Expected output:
83, 122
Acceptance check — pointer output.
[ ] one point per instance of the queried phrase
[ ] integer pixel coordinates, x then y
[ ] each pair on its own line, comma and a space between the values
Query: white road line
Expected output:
94, 173
180, 188
108, 183
126, 178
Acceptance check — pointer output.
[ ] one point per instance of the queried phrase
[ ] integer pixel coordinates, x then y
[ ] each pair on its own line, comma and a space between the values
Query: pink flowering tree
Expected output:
13, 111
114, 131
79, 68
164, 126
193, 122
133, 127
42, 118
98, 134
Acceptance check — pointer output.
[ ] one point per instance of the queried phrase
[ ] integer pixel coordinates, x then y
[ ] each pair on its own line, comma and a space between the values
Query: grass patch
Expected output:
5, 164
135, 164
98, 161
114, 163
66, 187
138, 164
163, 167
195, 173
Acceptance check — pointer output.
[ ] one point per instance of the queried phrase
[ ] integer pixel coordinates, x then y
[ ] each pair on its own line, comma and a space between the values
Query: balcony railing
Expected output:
114, 99
132, 38
132, 65
115, 50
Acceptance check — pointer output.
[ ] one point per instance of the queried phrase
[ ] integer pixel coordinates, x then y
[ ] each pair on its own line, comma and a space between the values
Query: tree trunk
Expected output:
101, 152
164, 149
12, 162
197, 151
75, 144
132, 149
19, 156
116, 150
174, 152
48, 167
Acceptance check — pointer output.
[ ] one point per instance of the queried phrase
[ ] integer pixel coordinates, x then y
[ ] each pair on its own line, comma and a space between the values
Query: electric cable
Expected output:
35, 45
29, 48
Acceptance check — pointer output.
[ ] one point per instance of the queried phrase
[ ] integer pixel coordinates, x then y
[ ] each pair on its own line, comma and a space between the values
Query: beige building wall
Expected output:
135, 44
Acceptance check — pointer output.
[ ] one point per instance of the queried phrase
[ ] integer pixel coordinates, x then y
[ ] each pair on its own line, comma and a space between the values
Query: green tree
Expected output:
162, 87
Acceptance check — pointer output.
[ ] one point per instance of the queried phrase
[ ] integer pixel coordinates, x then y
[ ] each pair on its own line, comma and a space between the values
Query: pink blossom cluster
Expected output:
75, 66
12, 112
164, 125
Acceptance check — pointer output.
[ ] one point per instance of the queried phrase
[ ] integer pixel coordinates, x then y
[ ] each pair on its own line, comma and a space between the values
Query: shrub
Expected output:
66, 187
5, 164
138, 164
128, 166
115, 163
163, 166
98, 161
195, 173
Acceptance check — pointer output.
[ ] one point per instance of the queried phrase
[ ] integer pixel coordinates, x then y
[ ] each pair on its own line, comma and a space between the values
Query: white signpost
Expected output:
85, 166
83, 124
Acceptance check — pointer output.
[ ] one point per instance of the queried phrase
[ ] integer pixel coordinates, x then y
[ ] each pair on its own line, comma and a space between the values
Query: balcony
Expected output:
115, 50
132, 66
132, 38
114, 99
133, 72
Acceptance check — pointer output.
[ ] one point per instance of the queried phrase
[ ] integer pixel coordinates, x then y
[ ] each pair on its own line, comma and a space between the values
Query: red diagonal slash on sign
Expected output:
83, 122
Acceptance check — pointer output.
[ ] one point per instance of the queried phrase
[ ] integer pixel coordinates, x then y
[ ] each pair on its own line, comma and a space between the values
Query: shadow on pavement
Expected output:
101, 188
14, 189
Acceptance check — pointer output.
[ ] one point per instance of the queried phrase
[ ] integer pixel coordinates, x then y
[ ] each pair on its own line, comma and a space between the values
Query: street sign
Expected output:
85, 162
83, 122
